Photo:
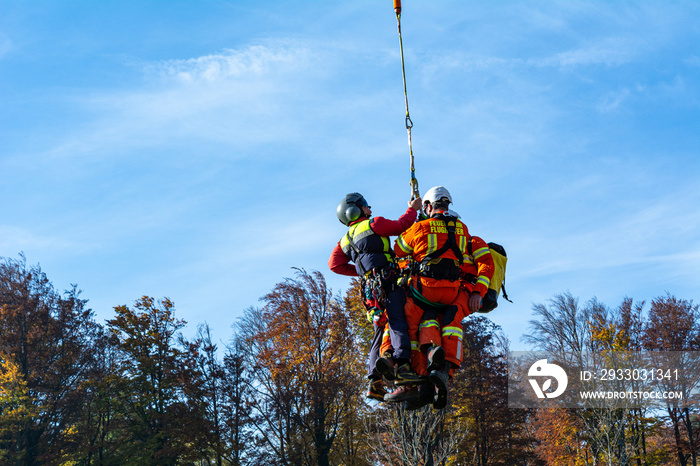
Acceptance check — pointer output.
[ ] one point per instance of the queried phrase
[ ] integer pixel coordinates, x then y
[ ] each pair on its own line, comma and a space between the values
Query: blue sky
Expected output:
198, 150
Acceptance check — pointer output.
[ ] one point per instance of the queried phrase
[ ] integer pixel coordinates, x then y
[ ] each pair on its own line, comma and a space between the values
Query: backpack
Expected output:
498, 281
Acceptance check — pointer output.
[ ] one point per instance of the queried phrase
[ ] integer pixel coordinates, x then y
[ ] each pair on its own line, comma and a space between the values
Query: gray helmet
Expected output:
350, 208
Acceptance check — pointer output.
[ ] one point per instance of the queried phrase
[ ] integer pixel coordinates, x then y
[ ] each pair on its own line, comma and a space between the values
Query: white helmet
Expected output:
436, 193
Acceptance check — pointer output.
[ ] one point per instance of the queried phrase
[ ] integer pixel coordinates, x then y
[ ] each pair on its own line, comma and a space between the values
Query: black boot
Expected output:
386, 367
376, 390
439, 378
407, 376
426, 394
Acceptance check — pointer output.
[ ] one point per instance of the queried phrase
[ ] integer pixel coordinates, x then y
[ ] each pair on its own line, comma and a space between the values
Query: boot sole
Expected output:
436, 359
440, 400
404, 396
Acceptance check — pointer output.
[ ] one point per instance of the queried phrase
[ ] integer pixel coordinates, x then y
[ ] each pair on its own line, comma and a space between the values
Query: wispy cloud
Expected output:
255, 61
608, 51
238, 97
654, 234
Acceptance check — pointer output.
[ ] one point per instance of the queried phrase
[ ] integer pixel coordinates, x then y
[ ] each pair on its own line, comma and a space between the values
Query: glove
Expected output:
373, 314
380, 320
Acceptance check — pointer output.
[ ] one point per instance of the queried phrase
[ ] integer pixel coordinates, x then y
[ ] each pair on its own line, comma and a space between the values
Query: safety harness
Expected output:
376, 282
434, 265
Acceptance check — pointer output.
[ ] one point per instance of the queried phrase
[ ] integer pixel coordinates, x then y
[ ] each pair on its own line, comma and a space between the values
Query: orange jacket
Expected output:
429, 235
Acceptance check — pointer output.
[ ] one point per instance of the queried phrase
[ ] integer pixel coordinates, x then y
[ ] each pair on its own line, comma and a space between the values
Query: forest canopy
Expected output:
287, 388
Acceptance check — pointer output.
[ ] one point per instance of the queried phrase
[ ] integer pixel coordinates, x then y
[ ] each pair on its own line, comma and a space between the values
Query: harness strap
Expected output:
357, 251
450, 244
423, 302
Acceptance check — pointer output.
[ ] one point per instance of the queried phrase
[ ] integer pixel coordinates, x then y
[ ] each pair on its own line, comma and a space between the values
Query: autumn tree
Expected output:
613, 434
562, 440
495, 434
307, 369
100, 431
236, 410
217, 391
272, 426
16, 410
201, 398
412, 438
48, 338
150, 385
673, 326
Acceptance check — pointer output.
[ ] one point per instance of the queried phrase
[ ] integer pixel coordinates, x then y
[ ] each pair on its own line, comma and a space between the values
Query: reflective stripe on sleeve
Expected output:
481, 252
483, 280
404, 247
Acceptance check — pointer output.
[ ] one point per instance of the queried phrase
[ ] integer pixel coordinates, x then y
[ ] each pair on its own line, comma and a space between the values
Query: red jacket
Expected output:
340, 263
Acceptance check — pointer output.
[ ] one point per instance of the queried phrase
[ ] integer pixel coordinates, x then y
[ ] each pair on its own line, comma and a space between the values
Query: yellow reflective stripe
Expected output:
432, 244
452, 332
360, 230
480, 252
428, 324
387, 247
483, 280
404, 247
356, 232
463, 245
386, 331
415, 346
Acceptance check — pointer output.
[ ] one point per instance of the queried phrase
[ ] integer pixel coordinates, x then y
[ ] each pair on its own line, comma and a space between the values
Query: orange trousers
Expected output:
432, 327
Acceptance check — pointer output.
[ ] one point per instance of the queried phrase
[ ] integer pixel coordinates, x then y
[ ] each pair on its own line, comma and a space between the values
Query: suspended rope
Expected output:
409, 124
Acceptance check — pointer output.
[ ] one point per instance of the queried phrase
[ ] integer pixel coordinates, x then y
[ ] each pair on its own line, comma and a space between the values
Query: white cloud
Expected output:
660, 236
609, 51
240, 98
258, 61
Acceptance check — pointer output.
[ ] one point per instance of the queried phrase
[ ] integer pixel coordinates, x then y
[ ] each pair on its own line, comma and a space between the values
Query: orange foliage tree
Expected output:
307, 371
